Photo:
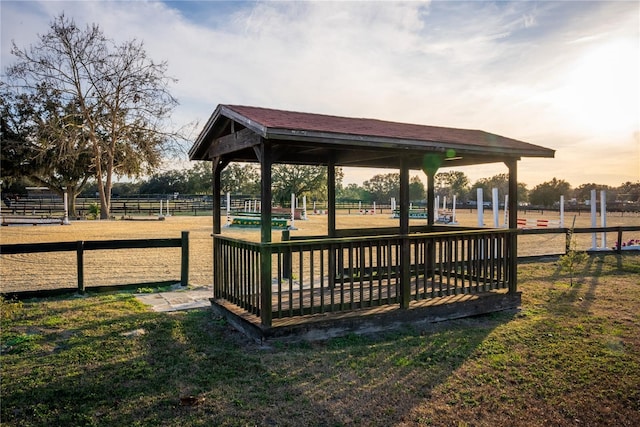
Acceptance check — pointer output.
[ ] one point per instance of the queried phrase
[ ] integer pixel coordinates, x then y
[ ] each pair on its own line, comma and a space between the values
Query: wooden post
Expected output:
430, 255
265, 234
619, 245
80, 263
431, 198
184, 265
405, 254
331, 218
512, 248
331, 199
217, 172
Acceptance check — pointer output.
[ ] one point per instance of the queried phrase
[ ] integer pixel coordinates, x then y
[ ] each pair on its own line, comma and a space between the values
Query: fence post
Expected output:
619, 246
80, 262
184, 265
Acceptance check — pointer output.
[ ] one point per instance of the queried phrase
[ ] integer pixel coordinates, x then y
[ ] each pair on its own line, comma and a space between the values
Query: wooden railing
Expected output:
87, 245
302, 277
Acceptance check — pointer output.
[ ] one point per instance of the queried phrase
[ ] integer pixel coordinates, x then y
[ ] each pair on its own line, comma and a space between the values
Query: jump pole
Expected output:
561, 211
65, 221
228, 208
506, 211
374, 208
495, 207
304, 207
360, 207
160, 216
453, 210
480, 204
293, 212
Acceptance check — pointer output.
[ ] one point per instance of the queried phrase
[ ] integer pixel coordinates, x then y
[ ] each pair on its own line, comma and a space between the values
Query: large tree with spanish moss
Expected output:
110, 99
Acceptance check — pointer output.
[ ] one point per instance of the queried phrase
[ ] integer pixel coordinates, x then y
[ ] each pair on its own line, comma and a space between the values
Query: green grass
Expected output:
570, 357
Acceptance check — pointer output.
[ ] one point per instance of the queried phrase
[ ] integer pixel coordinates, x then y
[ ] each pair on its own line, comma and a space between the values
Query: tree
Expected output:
199, 178
352, 193
583, 192
629, 192
501, 182
121, 97
43, 142
169, 182
573, 258
452, 183
383, 187
548, 193
242, 179
308, 181
416, 188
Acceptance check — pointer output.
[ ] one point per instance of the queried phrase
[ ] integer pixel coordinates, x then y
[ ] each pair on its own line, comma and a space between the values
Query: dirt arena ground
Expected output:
57, 270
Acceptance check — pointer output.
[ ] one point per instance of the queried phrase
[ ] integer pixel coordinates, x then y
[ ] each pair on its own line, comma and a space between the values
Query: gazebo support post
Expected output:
331, 199
405, 254
265, 233
331, 217
217, 172
431, 198
217, 166
430, 255
512, 164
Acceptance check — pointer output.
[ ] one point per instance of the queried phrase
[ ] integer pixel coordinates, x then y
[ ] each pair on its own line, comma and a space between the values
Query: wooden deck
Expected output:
372, 319
290, 301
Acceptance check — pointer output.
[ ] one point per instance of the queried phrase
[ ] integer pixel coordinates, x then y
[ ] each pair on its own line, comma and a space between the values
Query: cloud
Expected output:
520, 69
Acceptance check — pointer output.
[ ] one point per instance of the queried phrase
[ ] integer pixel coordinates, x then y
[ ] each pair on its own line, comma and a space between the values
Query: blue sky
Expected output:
561, 74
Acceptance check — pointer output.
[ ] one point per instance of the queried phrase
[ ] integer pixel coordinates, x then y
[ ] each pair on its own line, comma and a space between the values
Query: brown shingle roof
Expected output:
318, 137
280, 119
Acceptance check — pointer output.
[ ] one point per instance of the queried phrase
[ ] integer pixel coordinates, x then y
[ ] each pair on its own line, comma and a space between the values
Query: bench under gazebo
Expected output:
357, 278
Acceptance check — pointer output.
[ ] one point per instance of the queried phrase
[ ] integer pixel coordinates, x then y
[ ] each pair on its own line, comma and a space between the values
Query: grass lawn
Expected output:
570, 357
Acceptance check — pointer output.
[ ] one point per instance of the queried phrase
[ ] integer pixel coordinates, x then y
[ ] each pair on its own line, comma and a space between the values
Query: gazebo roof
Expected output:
305, 138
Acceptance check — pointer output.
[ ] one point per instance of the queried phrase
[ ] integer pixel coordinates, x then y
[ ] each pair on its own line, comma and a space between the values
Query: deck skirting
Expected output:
368, 320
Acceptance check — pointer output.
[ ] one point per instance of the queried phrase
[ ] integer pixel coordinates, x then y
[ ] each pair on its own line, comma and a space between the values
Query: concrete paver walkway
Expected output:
178, 298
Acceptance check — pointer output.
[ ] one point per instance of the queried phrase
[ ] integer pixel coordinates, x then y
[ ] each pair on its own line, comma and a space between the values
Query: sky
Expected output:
560, 74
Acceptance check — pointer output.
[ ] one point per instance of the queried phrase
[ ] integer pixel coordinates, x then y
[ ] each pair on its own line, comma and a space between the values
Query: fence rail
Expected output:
619, 230
87, 245
54, 207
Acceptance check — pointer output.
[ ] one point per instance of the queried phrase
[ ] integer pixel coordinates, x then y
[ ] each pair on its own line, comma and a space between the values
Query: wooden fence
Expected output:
354, 263
619, 230
53, 207
87, 245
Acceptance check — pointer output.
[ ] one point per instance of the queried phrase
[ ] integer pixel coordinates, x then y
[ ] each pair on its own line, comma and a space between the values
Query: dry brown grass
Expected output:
58, 270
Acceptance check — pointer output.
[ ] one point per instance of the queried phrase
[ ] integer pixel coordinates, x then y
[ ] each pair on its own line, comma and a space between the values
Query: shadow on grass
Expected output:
106, 361
124, 366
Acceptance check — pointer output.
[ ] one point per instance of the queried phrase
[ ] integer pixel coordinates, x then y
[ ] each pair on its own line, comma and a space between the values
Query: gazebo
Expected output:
354, 278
